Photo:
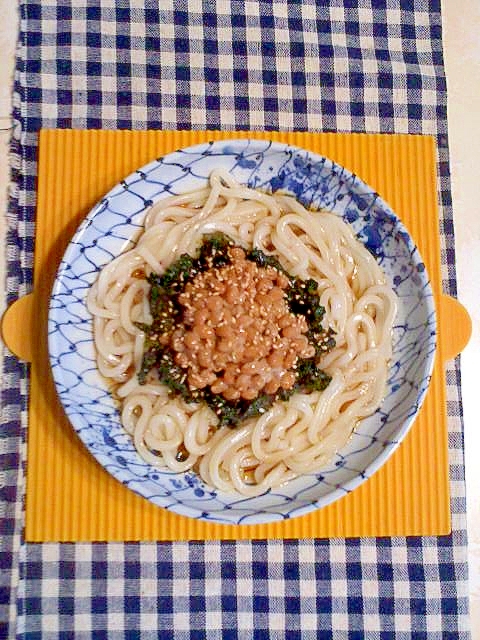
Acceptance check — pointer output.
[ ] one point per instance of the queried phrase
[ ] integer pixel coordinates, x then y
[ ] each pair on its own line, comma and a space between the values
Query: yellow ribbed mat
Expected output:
70, 497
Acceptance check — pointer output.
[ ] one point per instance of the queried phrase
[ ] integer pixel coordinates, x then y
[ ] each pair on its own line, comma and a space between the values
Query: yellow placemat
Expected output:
70, 497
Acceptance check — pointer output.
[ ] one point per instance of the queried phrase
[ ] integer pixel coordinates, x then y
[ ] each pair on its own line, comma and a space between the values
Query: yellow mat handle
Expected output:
455, 327
18, 327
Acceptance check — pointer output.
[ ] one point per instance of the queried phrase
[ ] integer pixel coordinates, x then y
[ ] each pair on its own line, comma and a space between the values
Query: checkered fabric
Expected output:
363, 65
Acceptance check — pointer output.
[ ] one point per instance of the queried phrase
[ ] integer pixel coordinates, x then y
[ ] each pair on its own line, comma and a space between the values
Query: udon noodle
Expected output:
292, 437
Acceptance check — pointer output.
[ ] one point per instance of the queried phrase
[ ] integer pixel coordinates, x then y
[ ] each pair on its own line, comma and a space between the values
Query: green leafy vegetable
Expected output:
229, 413
173, 376
262, 260
177, 275
303, 299
167, 313
214, 251
149, 360
310, 377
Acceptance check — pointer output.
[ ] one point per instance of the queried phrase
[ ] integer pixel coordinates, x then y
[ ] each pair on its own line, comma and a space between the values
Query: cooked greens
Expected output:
167, 313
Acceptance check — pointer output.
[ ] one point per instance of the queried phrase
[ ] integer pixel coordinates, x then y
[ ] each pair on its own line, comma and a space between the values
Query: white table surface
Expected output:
461, 32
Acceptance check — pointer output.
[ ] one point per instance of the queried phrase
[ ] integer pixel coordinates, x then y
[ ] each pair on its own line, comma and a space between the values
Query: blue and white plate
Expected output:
111, 228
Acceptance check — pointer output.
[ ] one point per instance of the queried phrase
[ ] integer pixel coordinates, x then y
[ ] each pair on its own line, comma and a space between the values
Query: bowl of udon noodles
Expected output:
241, 331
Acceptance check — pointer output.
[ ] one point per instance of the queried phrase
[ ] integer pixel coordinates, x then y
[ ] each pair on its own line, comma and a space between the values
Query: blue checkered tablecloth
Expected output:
364, 65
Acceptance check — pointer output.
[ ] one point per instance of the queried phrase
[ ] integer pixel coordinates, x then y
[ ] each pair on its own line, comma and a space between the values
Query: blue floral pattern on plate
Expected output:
112, 226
